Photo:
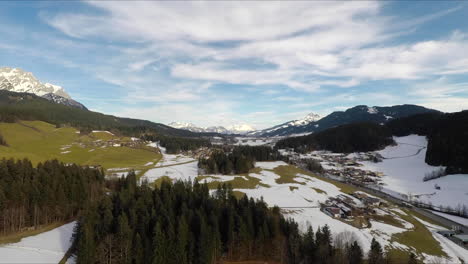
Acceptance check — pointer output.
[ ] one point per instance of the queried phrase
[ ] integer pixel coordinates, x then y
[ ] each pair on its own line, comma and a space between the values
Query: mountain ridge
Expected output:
233, 129
359, 113
16, 106
20, 81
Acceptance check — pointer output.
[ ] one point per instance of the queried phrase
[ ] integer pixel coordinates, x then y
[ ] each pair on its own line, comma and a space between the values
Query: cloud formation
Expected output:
178, 56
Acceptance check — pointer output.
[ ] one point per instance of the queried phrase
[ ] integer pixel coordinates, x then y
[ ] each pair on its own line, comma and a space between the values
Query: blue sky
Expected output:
260, 63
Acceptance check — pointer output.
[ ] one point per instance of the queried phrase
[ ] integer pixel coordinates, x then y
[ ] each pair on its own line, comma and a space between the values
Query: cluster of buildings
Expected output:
345, 207
356, 175
456, 236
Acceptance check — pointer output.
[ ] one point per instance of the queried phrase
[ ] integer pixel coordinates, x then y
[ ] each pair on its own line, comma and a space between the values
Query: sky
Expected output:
258, 63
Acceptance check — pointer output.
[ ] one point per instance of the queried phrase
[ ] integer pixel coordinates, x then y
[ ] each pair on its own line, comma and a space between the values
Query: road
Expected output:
449, 224
436, 218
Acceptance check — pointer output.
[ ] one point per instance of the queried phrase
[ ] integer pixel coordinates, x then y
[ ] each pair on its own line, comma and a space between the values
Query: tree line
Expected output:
237, 159
181, 223
51, 192
175, 145
446, 135
356, 137
178, 223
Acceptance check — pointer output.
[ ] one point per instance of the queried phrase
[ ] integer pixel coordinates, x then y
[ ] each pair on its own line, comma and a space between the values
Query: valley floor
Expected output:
301, 195
404, 168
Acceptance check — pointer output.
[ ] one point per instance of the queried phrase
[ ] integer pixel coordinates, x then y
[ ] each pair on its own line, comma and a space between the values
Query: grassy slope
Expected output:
40, 141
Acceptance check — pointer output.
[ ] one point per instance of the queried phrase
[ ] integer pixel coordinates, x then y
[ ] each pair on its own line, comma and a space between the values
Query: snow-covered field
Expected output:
48, 247
404, 169
177, 167
301, 201
184, 172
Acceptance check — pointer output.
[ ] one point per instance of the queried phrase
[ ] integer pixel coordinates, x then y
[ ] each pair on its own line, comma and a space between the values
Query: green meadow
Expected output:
40, 141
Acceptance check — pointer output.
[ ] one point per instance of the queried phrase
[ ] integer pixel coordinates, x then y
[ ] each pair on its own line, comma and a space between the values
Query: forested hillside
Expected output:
182, 223
51, 192
24, 106
355, 137
357, 114
447, 136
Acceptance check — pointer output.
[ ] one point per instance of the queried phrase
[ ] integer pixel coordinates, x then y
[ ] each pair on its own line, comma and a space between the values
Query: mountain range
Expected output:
288, 126
360, 113
314, 123
17, 80
234, 129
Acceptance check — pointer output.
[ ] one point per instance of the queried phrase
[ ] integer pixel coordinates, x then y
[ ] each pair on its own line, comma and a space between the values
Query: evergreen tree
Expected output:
159, 249
375, 254
354, 253
412, 259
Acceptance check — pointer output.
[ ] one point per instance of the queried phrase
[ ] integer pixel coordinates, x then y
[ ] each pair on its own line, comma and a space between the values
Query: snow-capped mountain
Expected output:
240, 129
291, 125
360, 113
234, 129
17, 80
62, 100
187, 126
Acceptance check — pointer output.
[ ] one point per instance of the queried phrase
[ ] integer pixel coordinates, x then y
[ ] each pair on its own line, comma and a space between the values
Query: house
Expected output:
371, 201
346, 211
332, 211
447, 233
359, 195
461, 239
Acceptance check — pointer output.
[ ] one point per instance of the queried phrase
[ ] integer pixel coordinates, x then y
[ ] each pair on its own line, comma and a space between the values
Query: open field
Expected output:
404, 168
40, 141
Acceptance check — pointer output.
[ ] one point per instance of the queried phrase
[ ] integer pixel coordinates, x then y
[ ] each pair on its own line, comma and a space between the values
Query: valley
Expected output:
233, 132
300, 194
347, 183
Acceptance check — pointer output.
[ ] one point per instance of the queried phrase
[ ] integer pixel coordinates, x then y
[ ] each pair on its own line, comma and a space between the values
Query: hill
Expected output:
360, 113
40, 141
25, 106
357, 137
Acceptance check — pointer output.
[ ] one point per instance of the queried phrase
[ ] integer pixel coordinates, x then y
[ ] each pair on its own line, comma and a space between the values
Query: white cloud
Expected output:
170, 53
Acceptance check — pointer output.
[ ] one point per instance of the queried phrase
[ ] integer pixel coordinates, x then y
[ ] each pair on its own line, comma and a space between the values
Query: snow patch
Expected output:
48, 247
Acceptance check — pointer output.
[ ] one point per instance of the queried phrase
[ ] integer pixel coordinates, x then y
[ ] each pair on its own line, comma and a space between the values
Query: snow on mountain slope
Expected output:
312, 117
62, 100
360, 113
234, 129
240, 129
17, 80
186, 126
291, 125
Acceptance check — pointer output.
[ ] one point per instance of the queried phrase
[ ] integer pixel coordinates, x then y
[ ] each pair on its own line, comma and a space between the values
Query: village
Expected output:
344, 167
356, 212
